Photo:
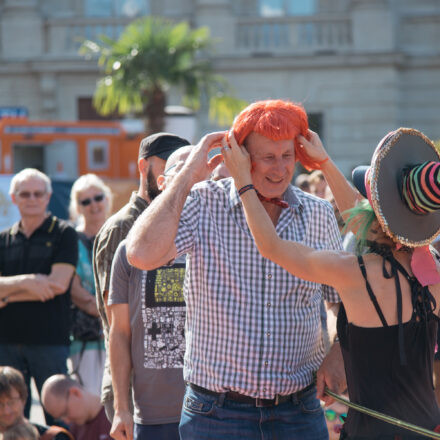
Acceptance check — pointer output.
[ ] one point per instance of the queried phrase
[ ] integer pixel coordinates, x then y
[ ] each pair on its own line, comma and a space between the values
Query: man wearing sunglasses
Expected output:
154, 151
38, 256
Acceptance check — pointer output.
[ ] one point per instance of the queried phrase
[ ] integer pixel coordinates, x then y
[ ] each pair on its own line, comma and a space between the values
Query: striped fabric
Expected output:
251, 326
421, 187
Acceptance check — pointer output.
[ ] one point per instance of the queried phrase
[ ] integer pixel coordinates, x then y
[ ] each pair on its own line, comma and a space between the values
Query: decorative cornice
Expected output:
239, 63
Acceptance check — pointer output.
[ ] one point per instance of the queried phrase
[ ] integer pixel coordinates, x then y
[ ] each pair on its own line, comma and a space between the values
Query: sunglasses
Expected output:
97, 198
332, 415
29, 194
166, 172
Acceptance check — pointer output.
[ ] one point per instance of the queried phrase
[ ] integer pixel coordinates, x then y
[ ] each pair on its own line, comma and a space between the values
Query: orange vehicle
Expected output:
66, 150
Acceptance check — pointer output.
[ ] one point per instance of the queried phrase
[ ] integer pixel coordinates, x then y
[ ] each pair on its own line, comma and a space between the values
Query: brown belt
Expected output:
255, 401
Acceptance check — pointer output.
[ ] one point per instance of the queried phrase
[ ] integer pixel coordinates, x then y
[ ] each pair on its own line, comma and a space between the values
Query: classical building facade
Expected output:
360, 67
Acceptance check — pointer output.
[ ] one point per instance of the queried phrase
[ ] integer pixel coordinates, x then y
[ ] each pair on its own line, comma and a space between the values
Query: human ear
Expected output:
161, 182
142, 166
75, 391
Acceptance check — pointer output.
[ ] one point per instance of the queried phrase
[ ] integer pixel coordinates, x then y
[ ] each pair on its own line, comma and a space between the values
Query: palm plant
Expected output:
151, 55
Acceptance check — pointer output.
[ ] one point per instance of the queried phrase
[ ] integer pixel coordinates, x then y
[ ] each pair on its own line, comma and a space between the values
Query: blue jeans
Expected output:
210, 417
168, 431
37, 361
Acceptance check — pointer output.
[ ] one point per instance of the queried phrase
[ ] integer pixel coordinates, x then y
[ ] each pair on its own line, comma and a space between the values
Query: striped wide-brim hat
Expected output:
421, 187
403, 186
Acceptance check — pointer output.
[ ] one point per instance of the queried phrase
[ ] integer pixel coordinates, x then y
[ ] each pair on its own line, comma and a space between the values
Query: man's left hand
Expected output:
313, 146
331, 374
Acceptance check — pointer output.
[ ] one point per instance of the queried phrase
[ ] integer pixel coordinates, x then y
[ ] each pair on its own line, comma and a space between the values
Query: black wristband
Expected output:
245, 188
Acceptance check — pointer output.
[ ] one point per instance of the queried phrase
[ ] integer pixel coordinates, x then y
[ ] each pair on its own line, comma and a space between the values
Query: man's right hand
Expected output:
198, 162
122, 427
43, 288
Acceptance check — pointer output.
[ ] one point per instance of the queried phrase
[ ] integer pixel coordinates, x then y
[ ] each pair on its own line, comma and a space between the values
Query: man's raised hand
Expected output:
313, 146
237, 160
198, 162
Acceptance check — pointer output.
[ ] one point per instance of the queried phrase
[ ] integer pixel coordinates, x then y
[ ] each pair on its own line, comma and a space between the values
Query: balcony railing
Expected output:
293, 34
64, 36
253, 35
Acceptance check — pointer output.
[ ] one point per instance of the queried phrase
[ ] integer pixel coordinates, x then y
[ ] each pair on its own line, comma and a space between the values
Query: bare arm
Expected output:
61, 275
334, 268
82, 298
150, 242
331, 373
37, 287
16, 284
345, 195
121, 366
27, 287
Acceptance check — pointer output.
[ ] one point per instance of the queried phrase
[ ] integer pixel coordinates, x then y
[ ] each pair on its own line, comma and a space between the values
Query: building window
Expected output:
116, 8
98, 154
279, 8
316, 123
87, 112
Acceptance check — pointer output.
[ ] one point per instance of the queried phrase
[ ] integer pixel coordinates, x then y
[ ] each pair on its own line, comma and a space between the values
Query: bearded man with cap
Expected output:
391, 296
154, 151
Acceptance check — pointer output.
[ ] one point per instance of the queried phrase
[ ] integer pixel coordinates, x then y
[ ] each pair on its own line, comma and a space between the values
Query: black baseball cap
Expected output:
161, 145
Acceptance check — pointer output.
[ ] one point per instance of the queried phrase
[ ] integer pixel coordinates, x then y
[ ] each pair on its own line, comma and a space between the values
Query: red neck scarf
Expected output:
274, 201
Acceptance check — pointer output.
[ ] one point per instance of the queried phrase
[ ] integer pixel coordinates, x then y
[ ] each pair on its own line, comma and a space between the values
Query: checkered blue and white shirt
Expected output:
251, 326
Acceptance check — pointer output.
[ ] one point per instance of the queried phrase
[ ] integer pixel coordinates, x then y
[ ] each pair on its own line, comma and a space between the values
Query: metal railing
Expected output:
294, 34
253, 34
65, 35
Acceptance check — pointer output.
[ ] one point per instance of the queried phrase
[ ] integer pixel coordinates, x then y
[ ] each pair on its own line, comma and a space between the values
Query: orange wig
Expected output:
277, 120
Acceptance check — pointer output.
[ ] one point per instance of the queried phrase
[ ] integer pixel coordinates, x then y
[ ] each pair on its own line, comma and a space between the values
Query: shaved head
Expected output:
177, 159
58, 385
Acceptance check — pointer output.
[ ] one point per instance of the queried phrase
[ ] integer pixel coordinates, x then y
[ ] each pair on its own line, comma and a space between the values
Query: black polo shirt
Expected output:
35, 322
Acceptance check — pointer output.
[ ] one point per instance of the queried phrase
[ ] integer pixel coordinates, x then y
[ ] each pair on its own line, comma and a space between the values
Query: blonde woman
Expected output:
90, 204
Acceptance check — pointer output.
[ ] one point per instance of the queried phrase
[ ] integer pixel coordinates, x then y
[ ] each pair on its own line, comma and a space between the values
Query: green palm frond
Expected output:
155, 54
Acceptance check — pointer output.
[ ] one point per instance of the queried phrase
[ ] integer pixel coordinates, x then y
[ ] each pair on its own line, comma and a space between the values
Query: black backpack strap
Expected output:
370, 291
75, 373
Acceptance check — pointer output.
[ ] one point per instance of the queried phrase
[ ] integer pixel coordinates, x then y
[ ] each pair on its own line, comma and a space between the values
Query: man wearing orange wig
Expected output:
253, 333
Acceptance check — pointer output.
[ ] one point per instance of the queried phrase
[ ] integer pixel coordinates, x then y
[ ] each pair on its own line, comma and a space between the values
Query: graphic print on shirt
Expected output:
163, 317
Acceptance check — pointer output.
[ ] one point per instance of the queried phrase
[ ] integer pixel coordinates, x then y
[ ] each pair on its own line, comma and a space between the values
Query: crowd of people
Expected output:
210, 305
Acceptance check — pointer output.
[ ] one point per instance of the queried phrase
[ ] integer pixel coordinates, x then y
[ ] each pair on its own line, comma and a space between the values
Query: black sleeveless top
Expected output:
389, 368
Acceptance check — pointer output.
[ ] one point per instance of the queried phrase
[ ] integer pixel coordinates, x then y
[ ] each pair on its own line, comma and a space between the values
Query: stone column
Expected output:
373, 26
48, 98
218, 16
21, 29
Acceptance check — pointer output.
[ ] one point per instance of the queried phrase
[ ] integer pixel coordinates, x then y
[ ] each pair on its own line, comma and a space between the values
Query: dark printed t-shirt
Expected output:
35, 322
